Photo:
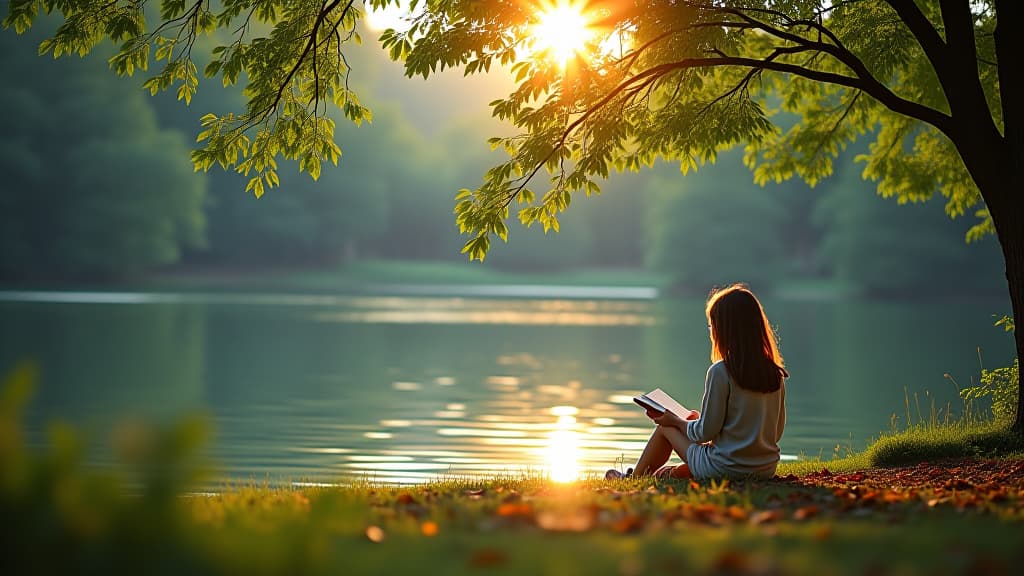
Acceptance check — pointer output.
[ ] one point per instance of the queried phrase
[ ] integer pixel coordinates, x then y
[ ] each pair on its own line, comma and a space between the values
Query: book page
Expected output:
668, 402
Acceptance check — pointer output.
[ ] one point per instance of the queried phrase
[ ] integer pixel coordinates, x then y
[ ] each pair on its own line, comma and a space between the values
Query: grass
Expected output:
956, 440
921, 442
527, 525
341, 537
927, 437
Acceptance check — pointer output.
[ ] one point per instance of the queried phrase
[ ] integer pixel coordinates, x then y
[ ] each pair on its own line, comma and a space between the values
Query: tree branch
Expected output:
328, 8
864, 81
635, 53
835, 125
745, 81
955, 62
1008, 42
923, 30
188, 14
871, 87
963, 82
959, 24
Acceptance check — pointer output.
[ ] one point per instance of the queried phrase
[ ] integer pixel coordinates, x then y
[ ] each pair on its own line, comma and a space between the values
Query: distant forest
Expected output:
98, 186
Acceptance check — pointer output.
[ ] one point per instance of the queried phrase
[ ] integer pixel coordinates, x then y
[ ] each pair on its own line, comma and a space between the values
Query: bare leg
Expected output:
663, 441
680, 442
655, 454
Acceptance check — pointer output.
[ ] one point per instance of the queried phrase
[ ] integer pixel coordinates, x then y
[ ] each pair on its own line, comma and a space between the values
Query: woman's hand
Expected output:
669, 419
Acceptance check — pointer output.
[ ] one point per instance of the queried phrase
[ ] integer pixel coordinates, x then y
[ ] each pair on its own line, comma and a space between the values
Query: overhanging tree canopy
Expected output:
930, 82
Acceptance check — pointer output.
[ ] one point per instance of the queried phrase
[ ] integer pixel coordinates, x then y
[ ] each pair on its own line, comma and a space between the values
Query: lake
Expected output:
410, 388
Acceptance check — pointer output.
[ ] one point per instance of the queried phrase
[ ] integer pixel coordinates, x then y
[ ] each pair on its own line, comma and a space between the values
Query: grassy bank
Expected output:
922, 442
880, 511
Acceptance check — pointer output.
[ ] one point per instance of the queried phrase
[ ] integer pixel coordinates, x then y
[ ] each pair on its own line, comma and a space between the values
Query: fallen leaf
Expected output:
959, 484
487, 558
892, 496
580, 520
705, 513
429, 528
805, 513
375, 534
765, 516
515, 509
628, 524
737, 513
870, 496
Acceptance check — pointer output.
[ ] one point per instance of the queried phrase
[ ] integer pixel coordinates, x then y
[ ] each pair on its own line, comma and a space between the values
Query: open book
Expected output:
659, 401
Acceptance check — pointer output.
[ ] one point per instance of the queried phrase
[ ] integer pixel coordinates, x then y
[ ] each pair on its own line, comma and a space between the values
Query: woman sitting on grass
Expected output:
737, 431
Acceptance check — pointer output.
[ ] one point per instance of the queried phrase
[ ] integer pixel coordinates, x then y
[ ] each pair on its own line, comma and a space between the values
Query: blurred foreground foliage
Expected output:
62, 517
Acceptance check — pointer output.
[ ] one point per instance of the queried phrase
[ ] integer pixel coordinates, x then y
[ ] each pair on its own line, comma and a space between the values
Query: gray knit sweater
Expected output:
738, 431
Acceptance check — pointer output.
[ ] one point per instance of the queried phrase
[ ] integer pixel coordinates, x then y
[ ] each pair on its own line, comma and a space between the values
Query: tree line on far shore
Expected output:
97, 186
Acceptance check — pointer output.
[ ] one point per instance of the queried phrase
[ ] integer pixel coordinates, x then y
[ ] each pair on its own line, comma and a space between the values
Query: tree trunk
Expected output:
1008, 217
1010, 225
1006, 206
1013, 249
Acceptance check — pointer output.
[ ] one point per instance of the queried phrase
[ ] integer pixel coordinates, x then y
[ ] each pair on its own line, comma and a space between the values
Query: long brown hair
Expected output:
743, 338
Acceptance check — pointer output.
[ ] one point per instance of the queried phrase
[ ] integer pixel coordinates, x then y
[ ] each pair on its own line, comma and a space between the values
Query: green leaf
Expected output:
501, 230
255, 186
477, 247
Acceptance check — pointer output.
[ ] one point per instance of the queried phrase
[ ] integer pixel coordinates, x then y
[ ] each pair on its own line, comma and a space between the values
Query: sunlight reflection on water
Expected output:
563, 442
562, 312
562, 451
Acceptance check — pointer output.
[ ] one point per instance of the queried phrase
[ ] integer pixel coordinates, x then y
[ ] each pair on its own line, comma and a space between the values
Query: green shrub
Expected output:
999, 385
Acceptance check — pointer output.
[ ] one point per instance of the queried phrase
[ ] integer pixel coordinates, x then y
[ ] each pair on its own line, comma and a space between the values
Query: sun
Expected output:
562, 30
